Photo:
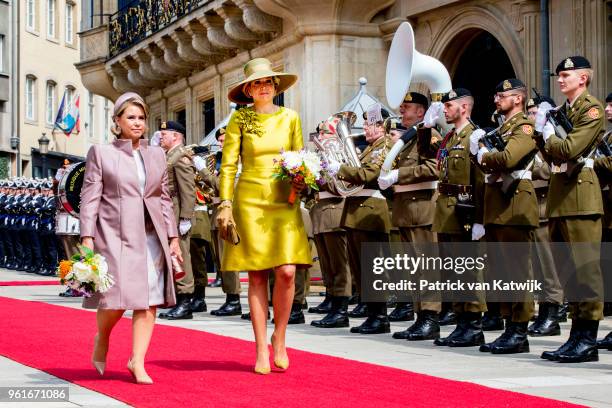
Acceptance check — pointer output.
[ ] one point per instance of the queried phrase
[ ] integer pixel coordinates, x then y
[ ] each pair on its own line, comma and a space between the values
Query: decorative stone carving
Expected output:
215, 32
234, 26
256, 20
172, 57
158, 62
185, 49
145, 69
133, 74
120, 80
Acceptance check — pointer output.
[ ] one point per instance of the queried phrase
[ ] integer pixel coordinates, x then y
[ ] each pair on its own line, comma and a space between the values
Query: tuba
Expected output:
405, 65
340, 147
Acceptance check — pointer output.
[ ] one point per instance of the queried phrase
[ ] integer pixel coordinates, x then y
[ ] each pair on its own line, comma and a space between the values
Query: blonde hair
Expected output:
588, 72
120, 109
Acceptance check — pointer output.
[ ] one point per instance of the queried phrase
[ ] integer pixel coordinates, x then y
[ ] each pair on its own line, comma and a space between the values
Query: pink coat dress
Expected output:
113, 213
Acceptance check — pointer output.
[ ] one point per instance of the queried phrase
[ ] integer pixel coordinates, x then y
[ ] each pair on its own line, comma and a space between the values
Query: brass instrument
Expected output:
340, 147
210, 158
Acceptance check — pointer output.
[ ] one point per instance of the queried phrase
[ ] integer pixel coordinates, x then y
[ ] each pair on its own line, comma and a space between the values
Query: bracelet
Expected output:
225, 204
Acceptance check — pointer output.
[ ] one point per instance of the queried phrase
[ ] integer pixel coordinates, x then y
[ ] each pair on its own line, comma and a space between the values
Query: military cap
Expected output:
47, 184
172, 125
415, 97
534, 102
571, 63
384, 113
219, 132
509, 85
609, 98
456, 93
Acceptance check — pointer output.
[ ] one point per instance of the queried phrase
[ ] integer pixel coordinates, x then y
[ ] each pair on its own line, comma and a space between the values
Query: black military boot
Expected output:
471, 335
457, 332
181, 311
324, 307
607, 311
247, 316
296, 316
337, 316
584, 348
513, 340
447, 317
547, 322
562, 315
403, 312
217, 282
361, 310
426, 327
554, 355
231, 307
198, 301
606, 342
377, 321
353, 300
492, 322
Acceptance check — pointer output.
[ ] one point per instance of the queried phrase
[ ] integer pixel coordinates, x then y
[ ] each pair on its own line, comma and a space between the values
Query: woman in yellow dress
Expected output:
272, 234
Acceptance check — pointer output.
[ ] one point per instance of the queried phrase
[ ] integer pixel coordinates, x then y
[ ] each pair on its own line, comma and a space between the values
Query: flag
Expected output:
68, 118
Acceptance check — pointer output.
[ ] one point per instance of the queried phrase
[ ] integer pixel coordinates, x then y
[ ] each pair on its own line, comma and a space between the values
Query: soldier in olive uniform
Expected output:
459, 213
366, 214
511, 209
181, 184
415, 184
331, 242
550, 300
199, 248
575, 206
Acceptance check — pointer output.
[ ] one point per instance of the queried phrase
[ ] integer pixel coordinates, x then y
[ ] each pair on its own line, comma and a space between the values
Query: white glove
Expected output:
475, 139
333, 166
540, 117
387, 179
154, 141
435, 111
548, 131
198, 162
184, 226
478, 231
481, 153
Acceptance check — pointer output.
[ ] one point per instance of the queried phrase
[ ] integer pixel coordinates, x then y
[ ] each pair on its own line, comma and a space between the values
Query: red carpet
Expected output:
194, 368
30, 283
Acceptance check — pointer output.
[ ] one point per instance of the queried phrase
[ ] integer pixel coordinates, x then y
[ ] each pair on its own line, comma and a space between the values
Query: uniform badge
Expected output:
408, 97
507, 85
527, 129
530, 102
163, 125
593, 113
376, 154
452, 94
568, 63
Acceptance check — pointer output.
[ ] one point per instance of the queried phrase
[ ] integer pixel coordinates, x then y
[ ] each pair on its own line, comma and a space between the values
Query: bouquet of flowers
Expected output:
85, 272
300, 166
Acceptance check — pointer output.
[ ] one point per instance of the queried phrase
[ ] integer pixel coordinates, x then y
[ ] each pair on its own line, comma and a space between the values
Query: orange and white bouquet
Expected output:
85, 272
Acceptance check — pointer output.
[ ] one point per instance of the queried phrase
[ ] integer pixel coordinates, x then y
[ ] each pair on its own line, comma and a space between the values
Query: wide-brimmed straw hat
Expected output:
256, 69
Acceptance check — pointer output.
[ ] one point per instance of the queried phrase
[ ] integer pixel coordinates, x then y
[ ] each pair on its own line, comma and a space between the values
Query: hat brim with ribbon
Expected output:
259, 68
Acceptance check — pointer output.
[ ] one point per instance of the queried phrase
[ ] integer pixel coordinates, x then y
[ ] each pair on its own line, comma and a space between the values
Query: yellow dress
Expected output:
271, 231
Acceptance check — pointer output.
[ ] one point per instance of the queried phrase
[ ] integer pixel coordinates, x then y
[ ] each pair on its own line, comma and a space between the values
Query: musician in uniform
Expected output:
181, 185
458, 214
32, 227
414, 184
331, 243
366, 214
551, 309
47, 231
575, 206
510, 210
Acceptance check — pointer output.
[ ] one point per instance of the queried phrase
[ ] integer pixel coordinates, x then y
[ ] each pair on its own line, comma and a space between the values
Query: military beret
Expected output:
571, 63
172, 125
456, 93
509, 84
534, 102
415, 97
609, 98
384, 113
219, 132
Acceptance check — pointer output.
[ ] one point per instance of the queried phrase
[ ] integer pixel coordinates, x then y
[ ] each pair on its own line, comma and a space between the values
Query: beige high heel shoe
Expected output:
282, 363
143, 380
98, 365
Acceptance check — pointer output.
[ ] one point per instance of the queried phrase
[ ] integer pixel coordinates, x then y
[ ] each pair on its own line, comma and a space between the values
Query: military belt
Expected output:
454, 189
425, 185
540, 184
326, 194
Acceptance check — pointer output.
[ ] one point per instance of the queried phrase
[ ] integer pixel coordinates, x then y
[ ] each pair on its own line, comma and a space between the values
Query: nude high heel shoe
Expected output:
143, 380
282, 363
98, 365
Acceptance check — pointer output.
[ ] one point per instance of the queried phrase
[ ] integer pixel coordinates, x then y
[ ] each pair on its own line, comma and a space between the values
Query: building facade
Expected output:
184, 56
48, 49
6, 63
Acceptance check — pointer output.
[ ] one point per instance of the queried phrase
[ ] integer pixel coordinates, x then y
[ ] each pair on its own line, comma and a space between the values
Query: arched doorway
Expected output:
478, 62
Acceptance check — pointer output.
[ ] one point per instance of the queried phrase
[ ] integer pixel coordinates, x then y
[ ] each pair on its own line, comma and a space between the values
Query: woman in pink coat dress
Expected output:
126, 215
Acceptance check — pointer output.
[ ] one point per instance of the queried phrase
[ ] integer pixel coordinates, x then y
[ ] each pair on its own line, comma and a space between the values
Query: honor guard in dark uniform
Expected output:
20, 226
10, 245
49, 240
32, 227
366, 214
551, 309
3, 238
181, 184
331, 243
575, 205
458, 215
415, 185
510, 209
